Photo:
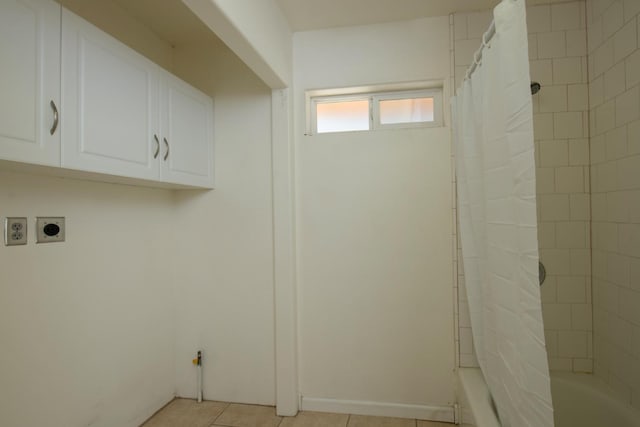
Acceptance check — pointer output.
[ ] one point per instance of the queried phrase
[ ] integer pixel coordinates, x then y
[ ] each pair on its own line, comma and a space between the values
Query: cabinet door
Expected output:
187, 124
110, 103
29, 81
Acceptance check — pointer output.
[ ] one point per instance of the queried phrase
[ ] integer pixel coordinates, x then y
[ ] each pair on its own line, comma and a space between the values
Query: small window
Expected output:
374, 110
406, 110
342, 116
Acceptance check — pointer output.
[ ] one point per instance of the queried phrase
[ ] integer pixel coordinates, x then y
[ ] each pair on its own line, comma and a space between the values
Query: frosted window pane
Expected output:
342, 116
413, 110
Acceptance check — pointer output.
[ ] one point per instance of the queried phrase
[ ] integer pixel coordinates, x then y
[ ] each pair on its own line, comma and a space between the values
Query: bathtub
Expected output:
579, 400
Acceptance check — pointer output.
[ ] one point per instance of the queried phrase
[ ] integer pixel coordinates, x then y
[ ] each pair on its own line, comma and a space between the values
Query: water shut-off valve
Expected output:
198, 364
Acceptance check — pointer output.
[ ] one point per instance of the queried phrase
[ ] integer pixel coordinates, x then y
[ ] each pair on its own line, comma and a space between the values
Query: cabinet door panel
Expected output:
188, 128
110, 94
30, 80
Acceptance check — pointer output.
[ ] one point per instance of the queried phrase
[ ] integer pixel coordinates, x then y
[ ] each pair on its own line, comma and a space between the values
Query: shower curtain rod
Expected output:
477, 57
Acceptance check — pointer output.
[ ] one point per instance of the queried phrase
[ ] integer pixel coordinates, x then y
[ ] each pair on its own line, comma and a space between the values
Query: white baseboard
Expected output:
383, 409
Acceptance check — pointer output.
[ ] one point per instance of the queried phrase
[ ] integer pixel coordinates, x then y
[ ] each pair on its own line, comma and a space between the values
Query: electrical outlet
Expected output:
50, 229
15, 231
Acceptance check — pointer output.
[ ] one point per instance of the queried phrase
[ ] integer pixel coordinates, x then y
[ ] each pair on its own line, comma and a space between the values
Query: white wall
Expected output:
374, 228
100, 330
224, 253
86, 326
256, 31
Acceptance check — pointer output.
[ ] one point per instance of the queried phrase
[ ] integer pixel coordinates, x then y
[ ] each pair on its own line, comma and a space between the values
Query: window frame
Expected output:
337, 98
375, 94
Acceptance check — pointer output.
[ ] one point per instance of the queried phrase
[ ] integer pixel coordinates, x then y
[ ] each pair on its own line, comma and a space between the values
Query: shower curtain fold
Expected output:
495, 167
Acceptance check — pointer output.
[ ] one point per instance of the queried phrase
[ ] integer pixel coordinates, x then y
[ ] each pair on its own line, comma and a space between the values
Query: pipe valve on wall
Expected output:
198, 363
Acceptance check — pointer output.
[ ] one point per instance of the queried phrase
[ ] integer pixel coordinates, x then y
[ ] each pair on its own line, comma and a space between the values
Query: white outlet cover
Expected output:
15, 231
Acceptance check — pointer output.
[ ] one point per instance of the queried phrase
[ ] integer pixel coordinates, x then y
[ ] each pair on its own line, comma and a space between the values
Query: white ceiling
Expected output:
172, 20
306, 15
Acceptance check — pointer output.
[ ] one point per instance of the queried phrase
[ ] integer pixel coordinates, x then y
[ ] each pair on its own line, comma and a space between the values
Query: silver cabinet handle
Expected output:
166, 155
55, 117
155, 155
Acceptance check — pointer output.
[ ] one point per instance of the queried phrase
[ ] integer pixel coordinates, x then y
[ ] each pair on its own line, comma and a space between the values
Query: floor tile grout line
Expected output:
227, 404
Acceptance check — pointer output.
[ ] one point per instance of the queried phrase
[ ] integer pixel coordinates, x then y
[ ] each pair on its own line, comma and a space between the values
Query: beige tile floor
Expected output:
189, 413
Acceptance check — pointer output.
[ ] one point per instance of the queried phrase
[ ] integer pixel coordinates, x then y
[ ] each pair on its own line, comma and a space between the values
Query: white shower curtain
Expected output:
495, 167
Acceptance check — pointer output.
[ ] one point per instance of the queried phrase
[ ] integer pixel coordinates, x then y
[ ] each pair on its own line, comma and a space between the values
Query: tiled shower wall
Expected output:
614, 72
558, 56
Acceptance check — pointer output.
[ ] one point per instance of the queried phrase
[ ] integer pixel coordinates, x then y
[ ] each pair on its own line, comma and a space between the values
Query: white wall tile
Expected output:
580, 262
605, 117
579, 205
570, 179
625, 41
599, 7
607, 237
599, 264
533, 46
633, 204
571, 290
581, 317
572, 344
612, 19
560, 364
616, 143
583, 365
567, 70
551, 340
547, 235
539, 19
557, 261
629, 303
554, 207
568, 125
629, 236
545, 180
576, 43
602, 58
556, 316
614, 81
628, 106
552, 45
543, 126
554, 153
565, 16
542, 72
632, 67
594, 35
553, 99
635, 341
572, 234
579, 152
596, 91
618, 269
617, 206
631, 9
618, 330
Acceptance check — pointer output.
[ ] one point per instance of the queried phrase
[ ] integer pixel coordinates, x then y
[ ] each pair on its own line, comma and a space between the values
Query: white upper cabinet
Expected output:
30, 81
72, 96
187, 133
110, 103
